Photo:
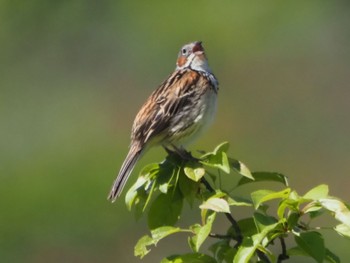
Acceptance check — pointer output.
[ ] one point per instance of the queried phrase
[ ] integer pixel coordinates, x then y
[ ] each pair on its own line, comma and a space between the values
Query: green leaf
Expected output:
247, 227
219, 161
137, 194
263, 221
343, 230
165, 175
141, 249
287, 203
340, 210
165, 209
221, 249
140, 203
191, 240
189, 258
194, 171
264, 177
313, 244
241, 168
294, 196
292, 220
261, 196
297, 251
230, 254
144, 179
164, 231
238, 201
149, 169
218, 158
188, 188
316, 213
318, 192
222, 147
216, 204
331, 257
131, 195
312, 208
250, 244
201, 233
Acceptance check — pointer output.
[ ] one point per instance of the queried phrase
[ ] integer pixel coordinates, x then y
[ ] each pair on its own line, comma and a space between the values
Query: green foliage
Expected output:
161, 190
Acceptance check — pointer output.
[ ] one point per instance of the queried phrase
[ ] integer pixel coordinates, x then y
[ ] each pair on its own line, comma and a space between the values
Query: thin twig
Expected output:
239, 237
283, 256
219, 236
262, 256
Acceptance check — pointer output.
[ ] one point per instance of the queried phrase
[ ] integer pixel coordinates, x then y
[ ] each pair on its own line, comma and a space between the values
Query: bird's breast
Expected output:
195, 119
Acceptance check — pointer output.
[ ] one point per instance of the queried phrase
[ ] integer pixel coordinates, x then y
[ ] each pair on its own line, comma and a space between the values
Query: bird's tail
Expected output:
125, 171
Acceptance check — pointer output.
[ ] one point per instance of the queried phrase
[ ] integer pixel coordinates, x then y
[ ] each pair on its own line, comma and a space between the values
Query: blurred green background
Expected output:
73, 74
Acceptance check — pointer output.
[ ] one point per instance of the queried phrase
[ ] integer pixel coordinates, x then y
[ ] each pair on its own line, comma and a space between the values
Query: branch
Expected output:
220, 236
283, 255
239, 237
263, 257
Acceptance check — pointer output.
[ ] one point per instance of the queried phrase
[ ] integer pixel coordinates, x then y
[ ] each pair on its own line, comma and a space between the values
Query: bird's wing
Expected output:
165, 103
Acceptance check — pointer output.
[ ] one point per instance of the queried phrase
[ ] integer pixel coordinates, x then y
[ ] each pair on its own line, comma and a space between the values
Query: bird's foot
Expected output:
181, 152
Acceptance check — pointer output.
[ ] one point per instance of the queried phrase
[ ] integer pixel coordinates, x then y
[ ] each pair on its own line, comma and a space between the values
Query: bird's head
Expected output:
192, 56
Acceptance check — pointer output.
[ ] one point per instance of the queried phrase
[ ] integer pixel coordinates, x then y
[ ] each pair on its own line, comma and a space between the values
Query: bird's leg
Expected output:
168, 150
181, 152
186, 155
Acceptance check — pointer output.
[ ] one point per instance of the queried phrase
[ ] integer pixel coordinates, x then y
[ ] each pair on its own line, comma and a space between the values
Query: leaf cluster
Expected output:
162, 189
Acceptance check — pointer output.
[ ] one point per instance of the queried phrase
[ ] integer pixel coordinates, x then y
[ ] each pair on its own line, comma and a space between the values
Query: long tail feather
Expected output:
125, 171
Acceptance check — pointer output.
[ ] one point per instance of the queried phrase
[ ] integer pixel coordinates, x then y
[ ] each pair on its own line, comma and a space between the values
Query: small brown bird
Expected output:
175, 113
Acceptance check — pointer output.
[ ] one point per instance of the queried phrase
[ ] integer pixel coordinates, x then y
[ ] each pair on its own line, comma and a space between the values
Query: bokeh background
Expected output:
74, 73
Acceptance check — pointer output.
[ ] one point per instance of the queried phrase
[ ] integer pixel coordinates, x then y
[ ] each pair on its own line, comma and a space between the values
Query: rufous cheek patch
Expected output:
181, 61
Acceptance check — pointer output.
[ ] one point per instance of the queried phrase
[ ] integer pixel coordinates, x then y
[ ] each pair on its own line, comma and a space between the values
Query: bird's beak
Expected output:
197, 47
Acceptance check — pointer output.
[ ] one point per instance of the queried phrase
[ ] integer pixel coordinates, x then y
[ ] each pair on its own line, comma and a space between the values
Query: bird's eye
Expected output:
184, 51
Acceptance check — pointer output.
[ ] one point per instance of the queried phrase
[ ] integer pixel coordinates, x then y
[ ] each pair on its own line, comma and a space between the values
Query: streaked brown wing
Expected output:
166, 103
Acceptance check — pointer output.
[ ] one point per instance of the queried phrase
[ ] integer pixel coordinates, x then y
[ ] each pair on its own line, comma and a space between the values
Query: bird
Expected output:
175, 114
